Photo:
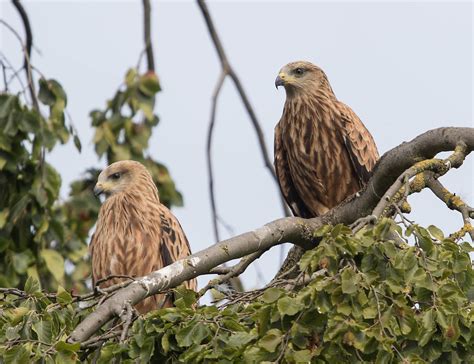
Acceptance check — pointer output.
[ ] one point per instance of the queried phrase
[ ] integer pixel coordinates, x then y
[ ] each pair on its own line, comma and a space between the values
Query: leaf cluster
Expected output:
31, 230
34, 326
39, 235
123, 130
364, 298
377, 301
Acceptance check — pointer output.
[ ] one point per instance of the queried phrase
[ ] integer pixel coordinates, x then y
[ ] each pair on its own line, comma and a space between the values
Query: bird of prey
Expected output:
135, 234
323, 152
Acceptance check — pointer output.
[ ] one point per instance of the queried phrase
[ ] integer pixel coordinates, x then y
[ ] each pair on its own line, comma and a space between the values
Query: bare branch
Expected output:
397, 192
127, 318
4, 74
100, 281
210, 131
227, 70
454, 203
27, 51
150, 59
295, 230
232, 272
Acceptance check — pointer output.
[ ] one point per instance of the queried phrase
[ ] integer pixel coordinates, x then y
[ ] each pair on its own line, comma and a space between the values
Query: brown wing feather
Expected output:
285, 181
174, 244
359, 143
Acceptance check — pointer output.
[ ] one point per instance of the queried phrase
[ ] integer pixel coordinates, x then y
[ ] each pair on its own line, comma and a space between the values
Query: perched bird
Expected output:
135, 234
323, 152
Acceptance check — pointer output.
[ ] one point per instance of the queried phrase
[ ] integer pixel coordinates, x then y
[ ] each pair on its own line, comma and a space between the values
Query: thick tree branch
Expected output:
292, 229
295, 230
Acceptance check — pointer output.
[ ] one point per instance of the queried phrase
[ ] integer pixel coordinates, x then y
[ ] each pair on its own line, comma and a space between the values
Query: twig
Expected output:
227, 70
126, 317
437, 166
210, 172
286, 339
454, 203
234, 271
147, 35
27, 51
4, 76
102, 280
15, 73
98, 340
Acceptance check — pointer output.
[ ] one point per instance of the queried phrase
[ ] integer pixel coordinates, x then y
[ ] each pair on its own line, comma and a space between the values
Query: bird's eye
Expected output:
299, 71
115, 176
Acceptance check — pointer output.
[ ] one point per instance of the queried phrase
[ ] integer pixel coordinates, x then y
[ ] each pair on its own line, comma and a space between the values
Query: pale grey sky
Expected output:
404, 67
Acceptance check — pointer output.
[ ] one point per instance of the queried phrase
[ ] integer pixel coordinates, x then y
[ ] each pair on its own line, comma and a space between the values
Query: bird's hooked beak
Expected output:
98, 189
280, 80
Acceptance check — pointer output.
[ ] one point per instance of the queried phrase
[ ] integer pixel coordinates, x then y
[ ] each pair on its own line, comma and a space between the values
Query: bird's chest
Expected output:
313, 142
124, 237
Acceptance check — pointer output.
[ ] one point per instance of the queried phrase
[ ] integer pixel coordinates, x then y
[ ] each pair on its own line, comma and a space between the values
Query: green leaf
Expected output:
21, 261
18, 209
302, 356
11, 333
63, 296
32, 285
383, 357
322, 231
307, 259
44, 331
3, 217
349, 281
7, 103
289, 306
272, 294
130, 76
149, 84
241, 339
18, 355
54, 262
64, 346
195, 332
436, 232
271, 340
77, 143
45, 94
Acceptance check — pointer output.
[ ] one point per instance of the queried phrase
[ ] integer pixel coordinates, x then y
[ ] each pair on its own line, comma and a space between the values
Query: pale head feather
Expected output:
302, 77
125, 177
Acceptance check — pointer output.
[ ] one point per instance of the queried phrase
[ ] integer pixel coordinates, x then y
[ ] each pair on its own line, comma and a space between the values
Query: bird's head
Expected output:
122, 176
301, 76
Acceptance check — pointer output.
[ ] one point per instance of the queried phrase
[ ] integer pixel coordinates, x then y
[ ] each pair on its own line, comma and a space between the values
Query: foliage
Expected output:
124, 128
31, 230
364, 298
38, 234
